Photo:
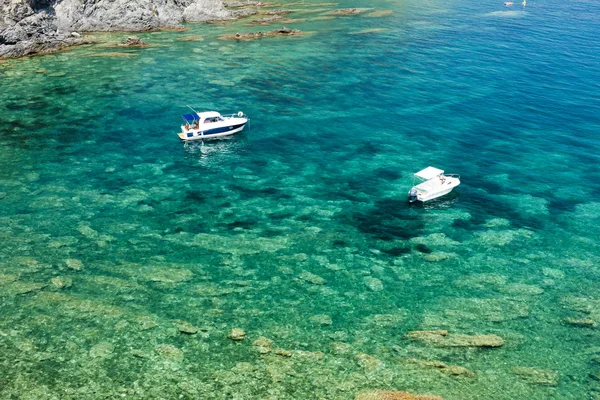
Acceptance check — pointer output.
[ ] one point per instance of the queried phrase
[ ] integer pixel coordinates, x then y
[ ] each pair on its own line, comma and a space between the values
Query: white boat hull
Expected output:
434, 188
214, 130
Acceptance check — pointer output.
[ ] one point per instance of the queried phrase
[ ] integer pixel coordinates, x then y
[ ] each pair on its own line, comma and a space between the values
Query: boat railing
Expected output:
457, 176
236, 115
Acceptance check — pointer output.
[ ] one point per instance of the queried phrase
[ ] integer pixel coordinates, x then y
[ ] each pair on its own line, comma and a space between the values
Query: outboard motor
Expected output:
412, 195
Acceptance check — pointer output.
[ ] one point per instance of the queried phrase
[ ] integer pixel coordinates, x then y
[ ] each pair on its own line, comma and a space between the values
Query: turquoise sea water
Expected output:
115, 236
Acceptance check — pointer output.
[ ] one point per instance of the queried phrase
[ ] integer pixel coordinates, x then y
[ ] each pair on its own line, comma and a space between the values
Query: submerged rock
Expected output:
553, 273
368, 362
186, 327
321, 319
277, 12
348, 11
309, 277
74, 264
237, 334
390, 395
536, 376
441, 338
581, 322
274, 19
452, 370
145, 322
133, 41
102, 350
283, 352
374, 284
380, 13
169, 351
340, 348
61, 282
257, 35
262, 341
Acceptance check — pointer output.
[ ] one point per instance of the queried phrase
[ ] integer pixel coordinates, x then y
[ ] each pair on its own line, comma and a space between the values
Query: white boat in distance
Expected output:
211, 124
434, 185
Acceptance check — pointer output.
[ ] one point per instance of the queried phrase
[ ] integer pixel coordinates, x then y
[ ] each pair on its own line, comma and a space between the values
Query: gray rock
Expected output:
133, 41
49, 25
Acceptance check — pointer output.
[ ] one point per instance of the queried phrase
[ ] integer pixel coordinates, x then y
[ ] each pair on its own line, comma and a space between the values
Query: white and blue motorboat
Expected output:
434, 184
211, 124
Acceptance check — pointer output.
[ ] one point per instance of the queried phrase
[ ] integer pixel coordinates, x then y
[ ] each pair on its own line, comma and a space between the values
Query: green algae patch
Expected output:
477, 309
21, 287
5, 279
165, 275
114, 54
115, 284
239, 244
505, 237
70, 305
522, 289
193, 38
481, 281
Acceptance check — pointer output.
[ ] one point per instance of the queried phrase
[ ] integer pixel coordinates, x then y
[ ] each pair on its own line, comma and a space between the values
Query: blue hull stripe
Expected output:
222, 129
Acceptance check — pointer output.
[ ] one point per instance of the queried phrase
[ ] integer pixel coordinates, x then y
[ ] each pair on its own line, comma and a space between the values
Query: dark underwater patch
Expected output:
14, 106
244, 224
421, 248
396, 251
387, 174
195, 195
388, 220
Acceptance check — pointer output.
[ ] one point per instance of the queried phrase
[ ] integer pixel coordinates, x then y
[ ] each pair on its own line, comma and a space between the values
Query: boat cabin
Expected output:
195, 120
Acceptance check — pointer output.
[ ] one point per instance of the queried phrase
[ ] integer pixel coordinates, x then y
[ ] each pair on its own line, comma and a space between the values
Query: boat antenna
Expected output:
192, 109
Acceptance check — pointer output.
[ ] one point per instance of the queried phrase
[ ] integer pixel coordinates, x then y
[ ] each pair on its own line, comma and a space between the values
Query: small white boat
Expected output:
211, 124
434, 185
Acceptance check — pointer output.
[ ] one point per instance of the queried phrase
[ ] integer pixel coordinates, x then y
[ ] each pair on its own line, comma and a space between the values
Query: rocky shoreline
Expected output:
42, 26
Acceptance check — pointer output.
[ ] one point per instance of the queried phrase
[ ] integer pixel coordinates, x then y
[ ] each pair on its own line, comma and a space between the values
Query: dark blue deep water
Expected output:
127, 258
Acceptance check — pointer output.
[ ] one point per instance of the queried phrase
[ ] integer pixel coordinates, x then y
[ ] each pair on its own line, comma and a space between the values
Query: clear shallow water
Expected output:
97, 190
